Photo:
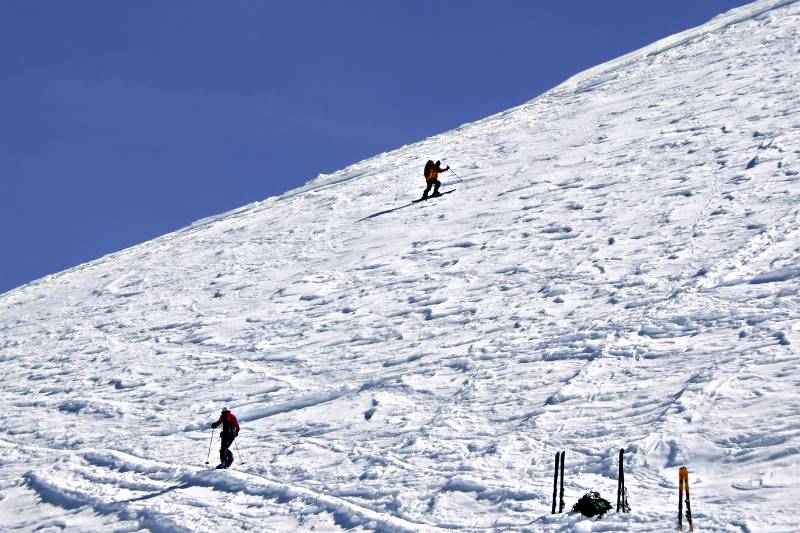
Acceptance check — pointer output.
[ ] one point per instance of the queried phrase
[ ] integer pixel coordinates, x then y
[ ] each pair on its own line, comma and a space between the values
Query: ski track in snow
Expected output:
619, 267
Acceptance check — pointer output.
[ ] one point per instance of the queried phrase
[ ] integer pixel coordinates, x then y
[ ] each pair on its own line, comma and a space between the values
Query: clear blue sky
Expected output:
122, 121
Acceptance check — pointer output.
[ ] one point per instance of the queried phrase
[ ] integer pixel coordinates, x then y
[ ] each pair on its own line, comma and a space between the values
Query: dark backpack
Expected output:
428, 166
592, 504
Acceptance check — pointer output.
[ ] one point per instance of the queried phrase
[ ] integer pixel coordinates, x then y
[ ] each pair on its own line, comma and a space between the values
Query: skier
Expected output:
432, 171
230, 430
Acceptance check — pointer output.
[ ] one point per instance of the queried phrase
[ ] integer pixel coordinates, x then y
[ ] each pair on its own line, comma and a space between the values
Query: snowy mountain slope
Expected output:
618, 267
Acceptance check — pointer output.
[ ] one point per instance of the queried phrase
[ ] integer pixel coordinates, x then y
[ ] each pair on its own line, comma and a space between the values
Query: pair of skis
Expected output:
558, 495
412, 202
432, 196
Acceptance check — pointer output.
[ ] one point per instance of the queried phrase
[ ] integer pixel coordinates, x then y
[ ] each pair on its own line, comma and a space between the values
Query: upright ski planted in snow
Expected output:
622, 492
561, 496
683, 492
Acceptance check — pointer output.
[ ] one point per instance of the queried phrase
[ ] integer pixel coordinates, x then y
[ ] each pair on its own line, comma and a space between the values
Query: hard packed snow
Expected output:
618, 267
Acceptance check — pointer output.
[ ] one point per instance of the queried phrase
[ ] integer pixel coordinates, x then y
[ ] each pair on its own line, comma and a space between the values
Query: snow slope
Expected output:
618, 268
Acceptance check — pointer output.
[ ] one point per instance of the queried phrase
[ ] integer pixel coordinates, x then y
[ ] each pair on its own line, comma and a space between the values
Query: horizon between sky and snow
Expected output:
127, 121
618, 267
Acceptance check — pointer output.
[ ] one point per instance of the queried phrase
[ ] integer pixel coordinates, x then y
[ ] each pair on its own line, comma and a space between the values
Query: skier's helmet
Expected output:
226, 410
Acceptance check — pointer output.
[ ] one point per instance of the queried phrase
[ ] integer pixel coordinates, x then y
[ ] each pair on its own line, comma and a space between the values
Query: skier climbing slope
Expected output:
431, 173
230, 430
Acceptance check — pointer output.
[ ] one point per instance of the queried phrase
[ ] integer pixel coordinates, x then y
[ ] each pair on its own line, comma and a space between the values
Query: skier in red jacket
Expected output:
432, 171
230, 430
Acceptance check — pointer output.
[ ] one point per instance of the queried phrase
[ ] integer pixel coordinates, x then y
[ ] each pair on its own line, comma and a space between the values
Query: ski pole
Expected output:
458, 178
209, 445
238, 452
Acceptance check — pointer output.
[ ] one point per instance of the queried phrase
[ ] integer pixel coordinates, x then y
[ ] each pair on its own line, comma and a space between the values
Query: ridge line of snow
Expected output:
166, 237
722, 21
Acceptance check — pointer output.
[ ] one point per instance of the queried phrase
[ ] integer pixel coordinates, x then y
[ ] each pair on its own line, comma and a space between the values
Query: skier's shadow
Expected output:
379, 213
179, 486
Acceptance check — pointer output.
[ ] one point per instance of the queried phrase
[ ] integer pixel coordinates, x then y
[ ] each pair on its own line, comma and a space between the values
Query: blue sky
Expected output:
122, 121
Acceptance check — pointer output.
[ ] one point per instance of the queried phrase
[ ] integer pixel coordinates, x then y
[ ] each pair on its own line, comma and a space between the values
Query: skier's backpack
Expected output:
428, 166
592, 504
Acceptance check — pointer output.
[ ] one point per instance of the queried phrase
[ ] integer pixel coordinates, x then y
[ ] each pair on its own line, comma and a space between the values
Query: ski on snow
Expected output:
429, 197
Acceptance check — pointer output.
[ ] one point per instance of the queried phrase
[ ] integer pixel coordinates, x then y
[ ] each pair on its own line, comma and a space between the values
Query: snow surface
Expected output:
618, 268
